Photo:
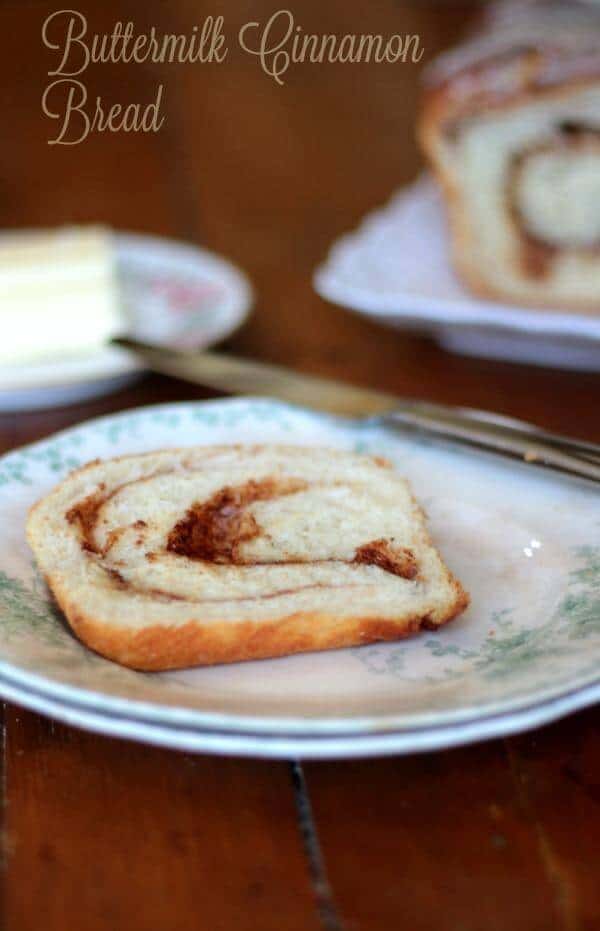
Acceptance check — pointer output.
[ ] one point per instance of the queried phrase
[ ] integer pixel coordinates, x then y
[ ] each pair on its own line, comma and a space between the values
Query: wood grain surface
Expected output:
107, 835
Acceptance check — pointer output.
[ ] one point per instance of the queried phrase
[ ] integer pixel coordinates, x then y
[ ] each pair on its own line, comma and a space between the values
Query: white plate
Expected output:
395, 269
286, 746
173, 294
527, 547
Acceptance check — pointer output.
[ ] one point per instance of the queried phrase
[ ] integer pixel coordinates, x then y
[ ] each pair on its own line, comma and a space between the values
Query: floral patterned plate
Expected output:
173, 293
526, 545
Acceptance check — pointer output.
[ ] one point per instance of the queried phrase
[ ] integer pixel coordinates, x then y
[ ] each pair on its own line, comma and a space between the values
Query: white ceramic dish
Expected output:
287, 746
395, 269
173, 294
526, 545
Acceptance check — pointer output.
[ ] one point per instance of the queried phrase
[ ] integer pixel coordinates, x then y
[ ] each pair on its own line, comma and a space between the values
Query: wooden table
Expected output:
104, 834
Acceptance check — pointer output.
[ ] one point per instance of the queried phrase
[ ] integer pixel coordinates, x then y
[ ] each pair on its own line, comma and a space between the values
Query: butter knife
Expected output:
475, 429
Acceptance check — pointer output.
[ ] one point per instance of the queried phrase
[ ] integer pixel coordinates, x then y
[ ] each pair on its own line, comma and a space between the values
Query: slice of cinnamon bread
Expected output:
216, 554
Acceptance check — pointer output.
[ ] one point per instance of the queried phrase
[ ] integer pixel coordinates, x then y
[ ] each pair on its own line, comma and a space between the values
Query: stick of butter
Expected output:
58, 293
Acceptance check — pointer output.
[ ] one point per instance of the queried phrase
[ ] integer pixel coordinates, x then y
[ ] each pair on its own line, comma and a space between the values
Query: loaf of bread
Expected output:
511, 125
216, 554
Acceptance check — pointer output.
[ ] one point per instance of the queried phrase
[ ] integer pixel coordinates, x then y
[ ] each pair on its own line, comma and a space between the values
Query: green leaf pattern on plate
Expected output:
509, 646
24, 609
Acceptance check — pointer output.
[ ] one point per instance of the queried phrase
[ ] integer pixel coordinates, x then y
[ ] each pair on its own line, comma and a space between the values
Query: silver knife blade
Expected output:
232, 375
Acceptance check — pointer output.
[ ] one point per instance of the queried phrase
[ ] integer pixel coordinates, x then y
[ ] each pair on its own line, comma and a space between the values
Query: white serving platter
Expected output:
395, 269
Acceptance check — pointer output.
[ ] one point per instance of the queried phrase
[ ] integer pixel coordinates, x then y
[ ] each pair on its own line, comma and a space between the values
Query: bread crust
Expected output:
441, 106
159, 647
